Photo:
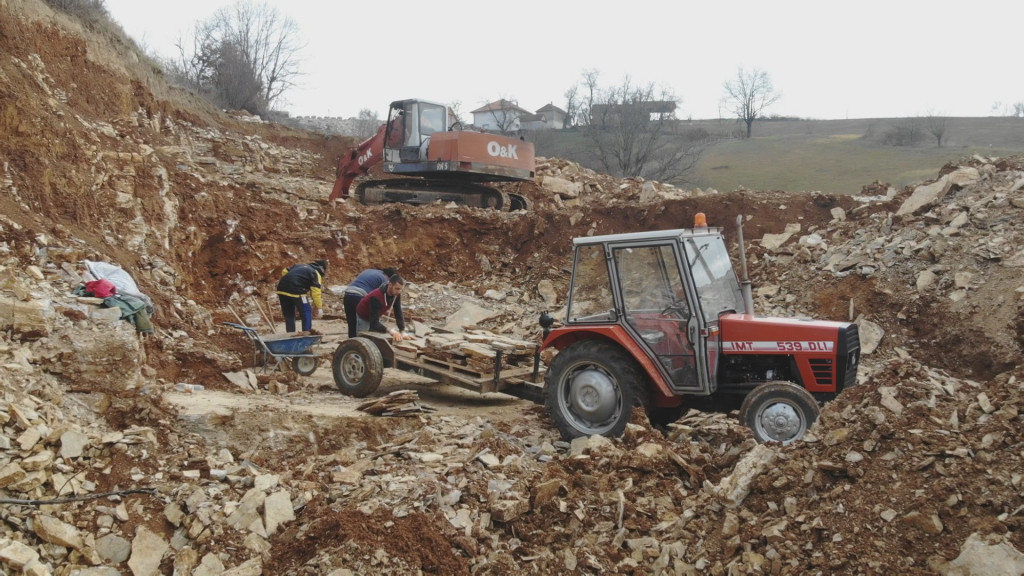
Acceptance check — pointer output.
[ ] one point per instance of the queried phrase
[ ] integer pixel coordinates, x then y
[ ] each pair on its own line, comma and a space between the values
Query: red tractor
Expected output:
655, 318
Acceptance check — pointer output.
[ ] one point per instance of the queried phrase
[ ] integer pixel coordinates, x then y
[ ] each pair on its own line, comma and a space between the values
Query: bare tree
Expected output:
194, 64
237, 86
1015, 110
572, 106
937, 127
269, 43
367, 123
748, 95
632, 133
255, 40
904, 132
591, 91
455, 121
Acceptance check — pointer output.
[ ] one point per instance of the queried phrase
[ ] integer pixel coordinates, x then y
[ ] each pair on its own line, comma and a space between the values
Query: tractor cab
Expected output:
662, 292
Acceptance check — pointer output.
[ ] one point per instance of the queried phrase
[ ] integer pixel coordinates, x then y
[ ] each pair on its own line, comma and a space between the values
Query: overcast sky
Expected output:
829, 60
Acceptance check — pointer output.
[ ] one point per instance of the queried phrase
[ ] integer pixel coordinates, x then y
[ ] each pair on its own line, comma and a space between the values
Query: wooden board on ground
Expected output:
397, 403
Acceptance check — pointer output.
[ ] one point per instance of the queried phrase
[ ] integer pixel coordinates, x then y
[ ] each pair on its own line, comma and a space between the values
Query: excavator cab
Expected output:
410, 125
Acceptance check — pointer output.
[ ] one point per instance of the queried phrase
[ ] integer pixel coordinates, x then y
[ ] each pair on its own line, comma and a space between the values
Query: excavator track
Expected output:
418, 192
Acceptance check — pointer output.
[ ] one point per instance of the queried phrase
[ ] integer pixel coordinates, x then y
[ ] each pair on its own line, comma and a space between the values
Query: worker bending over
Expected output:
299, 290
378, 303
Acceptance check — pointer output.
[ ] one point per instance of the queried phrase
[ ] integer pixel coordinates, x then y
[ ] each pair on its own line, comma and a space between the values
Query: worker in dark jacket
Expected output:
300, 290
378, 303
367, 281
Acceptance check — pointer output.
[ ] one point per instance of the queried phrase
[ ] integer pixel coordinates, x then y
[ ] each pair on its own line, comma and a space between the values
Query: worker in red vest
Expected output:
378, 303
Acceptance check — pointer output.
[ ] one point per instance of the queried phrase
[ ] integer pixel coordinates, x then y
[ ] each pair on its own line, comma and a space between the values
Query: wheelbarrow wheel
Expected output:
304, 365
358, 367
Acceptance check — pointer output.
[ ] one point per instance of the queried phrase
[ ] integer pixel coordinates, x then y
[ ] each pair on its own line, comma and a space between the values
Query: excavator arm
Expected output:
357, 162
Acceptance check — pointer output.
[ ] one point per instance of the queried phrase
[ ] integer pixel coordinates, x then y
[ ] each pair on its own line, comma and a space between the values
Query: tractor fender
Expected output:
559, 338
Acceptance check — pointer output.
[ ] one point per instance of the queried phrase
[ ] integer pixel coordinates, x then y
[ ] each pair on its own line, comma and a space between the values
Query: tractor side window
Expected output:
648, 278
590, 299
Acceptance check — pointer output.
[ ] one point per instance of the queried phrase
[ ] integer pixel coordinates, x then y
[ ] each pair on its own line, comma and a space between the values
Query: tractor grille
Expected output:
848, 355
822, 369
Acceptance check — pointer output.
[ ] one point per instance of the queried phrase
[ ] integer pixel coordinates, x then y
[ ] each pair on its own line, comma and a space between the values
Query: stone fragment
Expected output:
10, 474
17, 554
57, 532
508, 510
113, 548
277, 510
732, 489
925, 196
72, 444
929, 523
147, 551
566, 189
545, 492
980, 555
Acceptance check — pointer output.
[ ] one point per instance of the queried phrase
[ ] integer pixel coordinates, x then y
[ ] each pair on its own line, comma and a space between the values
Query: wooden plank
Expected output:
457, 368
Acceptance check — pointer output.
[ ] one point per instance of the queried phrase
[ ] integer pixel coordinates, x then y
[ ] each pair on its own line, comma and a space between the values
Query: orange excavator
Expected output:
425, 158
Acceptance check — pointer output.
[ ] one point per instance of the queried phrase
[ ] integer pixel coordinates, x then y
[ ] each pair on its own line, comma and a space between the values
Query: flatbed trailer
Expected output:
358, 367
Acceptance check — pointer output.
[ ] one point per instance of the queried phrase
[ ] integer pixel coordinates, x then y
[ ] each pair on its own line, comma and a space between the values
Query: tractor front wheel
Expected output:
779, 412
590, 388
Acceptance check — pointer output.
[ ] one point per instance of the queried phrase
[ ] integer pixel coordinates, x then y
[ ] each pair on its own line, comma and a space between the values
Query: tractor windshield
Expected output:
713, 276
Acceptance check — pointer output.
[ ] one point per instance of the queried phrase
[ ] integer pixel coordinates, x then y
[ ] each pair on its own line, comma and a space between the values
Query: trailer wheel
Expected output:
779, 412
304, 365
591, 388
358, 367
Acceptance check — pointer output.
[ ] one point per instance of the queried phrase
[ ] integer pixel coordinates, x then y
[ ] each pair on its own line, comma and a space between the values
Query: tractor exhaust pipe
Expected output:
748, 291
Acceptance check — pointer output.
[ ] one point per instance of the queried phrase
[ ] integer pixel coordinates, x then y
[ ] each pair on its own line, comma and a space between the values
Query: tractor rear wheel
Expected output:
358, 367
590, 388
779, 412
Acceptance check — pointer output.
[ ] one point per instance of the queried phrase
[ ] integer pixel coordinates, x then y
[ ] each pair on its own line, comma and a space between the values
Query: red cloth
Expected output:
101, 288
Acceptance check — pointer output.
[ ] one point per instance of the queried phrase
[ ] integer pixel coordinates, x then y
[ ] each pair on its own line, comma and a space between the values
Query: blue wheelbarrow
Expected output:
277, 348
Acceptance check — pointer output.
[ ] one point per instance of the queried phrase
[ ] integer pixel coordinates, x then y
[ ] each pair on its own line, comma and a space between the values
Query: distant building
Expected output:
499, 116
549, 117
601, 113
503, 114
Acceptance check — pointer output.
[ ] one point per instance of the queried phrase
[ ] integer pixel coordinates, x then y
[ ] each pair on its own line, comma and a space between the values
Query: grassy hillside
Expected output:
841, 156
832, 156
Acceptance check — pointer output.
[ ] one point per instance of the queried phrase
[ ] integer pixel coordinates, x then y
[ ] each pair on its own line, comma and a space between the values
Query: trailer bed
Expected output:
359, 362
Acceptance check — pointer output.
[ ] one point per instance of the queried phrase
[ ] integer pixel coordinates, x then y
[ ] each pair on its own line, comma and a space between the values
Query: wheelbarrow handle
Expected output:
242, 327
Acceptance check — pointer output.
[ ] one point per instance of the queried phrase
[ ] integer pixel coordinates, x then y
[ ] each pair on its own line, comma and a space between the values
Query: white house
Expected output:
552, 118
499, 116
